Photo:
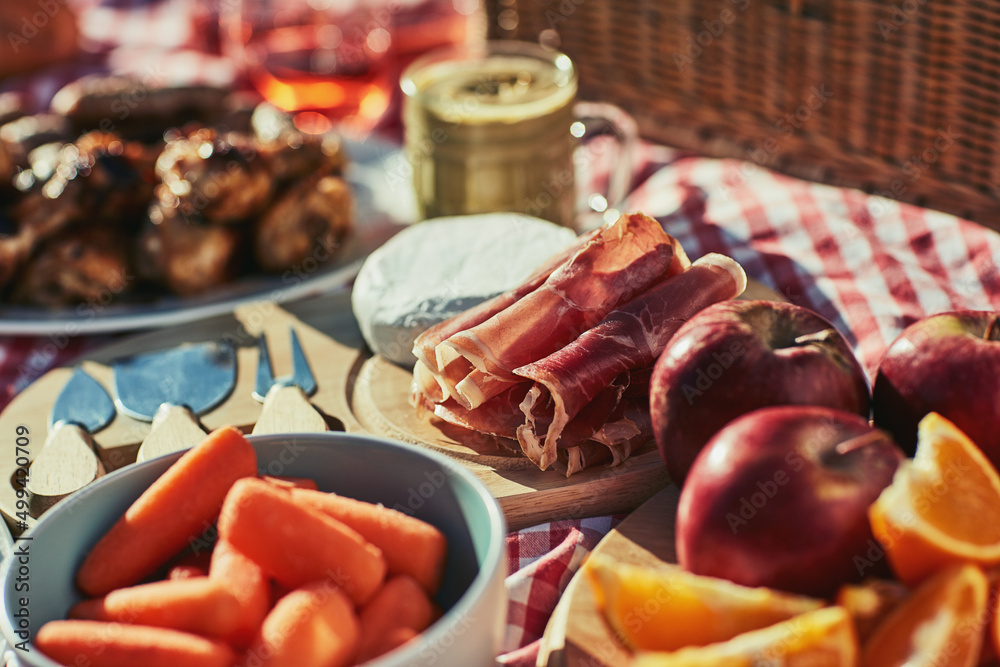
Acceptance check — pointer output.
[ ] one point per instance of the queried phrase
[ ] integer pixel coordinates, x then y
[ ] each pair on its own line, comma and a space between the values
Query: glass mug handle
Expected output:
593, 120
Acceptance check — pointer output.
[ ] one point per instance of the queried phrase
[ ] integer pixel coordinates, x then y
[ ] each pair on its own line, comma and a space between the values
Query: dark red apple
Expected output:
779, 497
947, 363
736, 356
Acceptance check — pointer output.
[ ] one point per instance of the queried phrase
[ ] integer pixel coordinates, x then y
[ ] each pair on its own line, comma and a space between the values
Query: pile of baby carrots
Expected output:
297, 577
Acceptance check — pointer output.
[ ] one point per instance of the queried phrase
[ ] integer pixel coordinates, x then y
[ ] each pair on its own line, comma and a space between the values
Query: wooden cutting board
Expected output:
577, 634
357, 393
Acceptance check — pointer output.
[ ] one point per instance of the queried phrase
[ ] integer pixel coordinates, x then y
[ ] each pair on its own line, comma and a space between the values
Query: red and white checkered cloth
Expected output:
868, 264
543, 558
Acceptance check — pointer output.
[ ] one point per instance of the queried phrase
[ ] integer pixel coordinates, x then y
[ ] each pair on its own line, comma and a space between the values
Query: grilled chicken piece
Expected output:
94, 182
213, 178
39, 218
101, 173
308, 220
22, 134
296, 156
291, 153
186, 257
79, 265
135, 109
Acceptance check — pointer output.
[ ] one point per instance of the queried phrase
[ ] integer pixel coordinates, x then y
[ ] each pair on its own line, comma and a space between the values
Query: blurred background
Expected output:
896, 99
338, 58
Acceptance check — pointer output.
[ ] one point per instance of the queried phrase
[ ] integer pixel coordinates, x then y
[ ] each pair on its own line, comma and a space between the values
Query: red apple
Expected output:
780, 496
736, 356
947, 363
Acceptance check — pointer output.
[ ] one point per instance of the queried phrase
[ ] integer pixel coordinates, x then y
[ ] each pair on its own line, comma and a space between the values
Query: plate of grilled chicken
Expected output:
126, 207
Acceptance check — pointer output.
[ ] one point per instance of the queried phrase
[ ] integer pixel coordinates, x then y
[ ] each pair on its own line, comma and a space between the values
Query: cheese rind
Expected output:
439, 268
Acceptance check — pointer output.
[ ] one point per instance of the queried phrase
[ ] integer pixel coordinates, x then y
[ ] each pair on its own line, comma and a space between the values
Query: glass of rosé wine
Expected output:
336, 63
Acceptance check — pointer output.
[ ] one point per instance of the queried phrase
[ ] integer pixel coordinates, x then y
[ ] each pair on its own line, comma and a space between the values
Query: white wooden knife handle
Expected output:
66, 463
174, 429
287, 410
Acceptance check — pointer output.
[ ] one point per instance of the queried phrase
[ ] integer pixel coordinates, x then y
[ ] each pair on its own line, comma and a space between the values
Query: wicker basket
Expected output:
897, 97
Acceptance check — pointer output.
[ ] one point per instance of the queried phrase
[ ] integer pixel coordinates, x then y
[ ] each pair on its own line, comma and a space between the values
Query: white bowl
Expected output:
421, 482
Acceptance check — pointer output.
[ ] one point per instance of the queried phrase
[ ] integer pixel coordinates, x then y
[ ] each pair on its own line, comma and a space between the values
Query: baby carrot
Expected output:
248, 583
313, 626
100, 644
410, 546
175, 509
297, 545
291, 482
401, 604
200, 605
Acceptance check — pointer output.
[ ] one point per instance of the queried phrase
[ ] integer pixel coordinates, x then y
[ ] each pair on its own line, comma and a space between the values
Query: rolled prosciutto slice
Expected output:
619, 262
630, 336
627, 431
501, 415
456, 371
423, 346
498, 416
583, 456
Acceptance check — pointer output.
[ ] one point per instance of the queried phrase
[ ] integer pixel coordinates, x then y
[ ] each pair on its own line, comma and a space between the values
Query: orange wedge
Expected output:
821, 638
942, 508
870, 602
667, 608
941, 624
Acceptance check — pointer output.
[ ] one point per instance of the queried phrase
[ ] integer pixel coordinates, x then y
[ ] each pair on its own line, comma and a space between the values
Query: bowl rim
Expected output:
434, 635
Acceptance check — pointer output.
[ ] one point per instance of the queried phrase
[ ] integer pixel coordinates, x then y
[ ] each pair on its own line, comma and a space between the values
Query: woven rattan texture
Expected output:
900, 98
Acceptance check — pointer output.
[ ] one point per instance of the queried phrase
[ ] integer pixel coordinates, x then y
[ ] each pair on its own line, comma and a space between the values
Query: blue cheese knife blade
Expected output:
68, 461
198, 376
83, 401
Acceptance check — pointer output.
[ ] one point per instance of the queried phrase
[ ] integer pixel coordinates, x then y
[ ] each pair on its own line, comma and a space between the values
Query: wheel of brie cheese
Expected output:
438, 268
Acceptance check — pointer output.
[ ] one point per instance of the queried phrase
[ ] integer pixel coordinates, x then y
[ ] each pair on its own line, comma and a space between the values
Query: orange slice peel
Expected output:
942, 508
941, 624
667, 608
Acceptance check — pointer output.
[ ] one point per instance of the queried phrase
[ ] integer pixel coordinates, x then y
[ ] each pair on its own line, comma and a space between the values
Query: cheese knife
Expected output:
170, 388
286, 399
67, 461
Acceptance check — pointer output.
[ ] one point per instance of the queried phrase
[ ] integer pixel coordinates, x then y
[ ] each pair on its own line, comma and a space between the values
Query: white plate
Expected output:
384, 203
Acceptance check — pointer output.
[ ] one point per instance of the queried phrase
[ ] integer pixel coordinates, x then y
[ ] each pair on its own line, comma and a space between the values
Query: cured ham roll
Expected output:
425, 343
436, 383
620, 261
631, 336
499, 416
561, 364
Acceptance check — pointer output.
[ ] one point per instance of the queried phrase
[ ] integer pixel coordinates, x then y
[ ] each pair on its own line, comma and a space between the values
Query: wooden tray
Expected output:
357, 393
577, 634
